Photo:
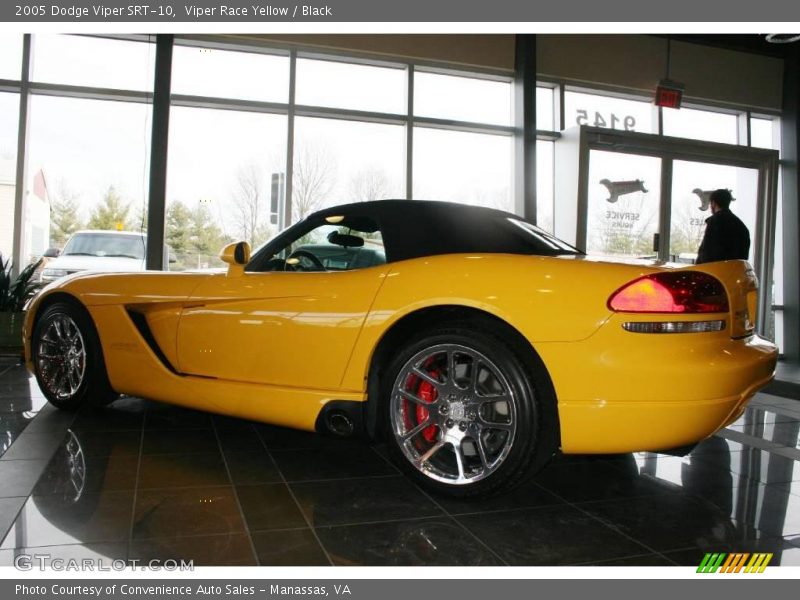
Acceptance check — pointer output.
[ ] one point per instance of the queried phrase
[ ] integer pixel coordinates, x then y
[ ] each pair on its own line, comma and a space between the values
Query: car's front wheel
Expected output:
466, 414
68, 359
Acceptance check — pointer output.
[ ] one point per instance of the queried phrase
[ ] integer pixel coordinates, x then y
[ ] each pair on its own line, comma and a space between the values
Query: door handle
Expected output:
656, 239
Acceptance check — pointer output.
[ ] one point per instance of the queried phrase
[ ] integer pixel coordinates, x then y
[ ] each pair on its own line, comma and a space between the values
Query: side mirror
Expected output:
236, 256
52, 252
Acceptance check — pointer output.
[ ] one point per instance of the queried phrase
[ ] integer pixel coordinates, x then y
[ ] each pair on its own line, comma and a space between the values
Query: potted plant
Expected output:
14, 294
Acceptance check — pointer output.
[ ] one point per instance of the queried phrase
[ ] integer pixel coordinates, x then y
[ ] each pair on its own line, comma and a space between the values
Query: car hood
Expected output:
110, 264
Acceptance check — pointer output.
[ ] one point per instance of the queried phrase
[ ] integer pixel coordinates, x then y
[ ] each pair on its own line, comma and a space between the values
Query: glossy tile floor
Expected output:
142, 480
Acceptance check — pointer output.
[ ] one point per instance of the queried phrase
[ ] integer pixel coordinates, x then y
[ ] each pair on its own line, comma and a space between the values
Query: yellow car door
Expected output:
283, 328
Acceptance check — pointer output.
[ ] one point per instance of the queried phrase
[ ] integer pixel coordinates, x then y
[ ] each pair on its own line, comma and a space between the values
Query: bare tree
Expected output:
250, 204
490, 197
313, 180
370, 183
625, 227
687, 223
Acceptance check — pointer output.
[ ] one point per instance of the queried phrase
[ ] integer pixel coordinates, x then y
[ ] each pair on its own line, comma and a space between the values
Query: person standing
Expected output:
726, 237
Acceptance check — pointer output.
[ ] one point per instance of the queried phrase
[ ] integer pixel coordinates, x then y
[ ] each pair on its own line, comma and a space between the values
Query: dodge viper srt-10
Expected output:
473, 342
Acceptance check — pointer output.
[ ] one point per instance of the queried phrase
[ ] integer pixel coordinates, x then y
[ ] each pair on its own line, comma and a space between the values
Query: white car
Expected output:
102, 251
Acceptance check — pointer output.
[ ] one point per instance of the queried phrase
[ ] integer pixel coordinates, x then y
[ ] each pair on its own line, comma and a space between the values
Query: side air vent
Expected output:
140, 322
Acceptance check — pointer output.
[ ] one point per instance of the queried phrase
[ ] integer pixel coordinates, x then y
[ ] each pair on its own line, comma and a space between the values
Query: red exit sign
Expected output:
669, 94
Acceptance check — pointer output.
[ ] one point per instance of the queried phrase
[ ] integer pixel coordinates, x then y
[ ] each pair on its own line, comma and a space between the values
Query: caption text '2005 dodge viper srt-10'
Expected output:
474, 343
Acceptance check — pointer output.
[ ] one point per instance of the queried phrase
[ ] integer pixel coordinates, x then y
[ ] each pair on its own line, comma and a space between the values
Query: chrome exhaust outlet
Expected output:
340, 423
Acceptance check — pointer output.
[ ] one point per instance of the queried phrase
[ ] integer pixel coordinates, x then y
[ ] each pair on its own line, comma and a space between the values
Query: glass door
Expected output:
692, 182
644, 195
624, 204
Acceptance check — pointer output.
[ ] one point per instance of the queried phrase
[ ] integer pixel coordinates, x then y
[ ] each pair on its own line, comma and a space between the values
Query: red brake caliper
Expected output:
428, 393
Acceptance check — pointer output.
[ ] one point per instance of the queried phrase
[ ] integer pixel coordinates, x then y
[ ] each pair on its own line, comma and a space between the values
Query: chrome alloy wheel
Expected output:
76, 467
453, 414
61, 357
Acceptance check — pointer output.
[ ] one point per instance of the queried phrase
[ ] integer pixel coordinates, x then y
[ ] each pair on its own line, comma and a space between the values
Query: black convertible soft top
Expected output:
418, 228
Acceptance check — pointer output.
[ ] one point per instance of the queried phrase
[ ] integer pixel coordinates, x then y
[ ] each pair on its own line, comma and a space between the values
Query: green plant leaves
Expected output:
14, 294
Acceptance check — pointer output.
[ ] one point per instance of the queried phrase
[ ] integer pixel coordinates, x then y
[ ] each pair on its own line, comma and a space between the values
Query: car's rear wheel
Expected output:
466, 414
68, 359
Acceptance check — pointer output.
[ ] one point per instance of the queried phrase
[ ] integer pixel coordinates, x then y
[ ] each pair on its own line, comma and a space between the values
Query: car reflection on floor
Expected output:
142, 480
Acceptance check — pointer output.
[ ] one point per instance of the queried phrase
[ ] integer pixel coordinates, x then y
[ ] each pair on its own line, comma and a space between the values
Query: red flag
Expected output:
40, 185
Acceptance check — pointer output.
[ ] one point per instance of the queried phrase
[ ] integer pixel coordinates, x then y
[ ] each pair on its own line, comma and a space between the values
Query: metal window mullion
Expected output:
743, 137
322, 112
665, 210
157, 196
765, 230
523, 178
325, 112
545, 135
465, 126
659, 114
185, 100
10, 85
289, 182
89, 93
22, 158
409, 154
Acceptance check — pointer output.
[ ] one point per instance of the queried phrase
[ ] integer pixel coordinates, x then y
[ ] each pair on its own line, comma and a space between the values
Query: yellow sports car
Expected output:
475, 343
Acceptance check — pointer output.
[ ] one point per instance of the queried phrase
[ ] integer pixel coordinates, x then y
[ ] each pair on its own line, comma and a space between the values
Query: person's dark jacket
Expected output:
726, 238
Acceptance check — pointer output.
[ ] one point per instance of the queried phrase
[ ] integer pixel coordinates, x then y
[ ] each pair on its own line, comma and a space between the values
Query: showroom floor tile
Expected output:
550, 535
140, 480
437, 541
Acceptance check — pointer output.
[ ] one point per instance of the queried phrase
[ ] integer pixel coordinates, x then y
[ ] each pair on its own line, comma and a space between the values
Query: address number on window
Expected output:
584, 118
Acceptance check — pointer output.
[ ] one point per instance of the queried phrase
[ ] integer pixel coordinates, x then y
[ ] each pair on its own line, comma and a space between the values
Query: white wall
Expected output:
37, 227
6, 218
482, 51
638, 62
634, 62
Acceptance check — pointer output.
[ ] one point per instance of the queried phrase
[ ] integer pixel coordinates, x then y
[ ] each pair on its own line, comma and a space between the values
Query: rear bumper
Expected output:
661, 398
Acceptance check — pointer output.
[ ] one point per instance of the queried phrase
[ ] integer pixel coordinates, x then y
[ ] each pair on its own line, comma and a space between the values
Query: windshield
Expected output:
105, 244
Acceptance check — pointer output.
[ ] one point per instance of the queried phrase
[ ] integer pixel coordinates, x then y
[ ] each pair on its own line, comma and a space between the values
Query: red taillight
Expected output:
676, 292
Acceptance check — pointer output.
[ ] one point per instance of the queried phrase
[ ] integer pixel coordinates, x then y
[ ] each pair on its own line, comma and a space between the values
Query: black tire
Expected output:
92, 387
535, 437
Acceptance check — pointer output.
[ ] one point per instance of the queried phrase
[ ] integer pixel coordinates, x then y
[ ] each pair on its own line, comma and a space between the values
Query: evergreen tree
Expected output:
207, 237
192, 235
111, 213
178, 229
64, 217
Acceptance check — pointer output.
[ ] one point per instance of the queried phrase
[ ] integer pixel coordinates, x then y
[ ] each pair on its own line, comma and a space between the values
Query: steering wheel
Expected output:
300, 254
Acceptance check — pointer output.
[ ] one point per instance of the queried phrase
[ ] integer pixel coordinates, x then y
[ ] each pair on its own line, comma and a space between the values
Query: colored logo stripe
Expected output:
734, 563
758, 563
711, 563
